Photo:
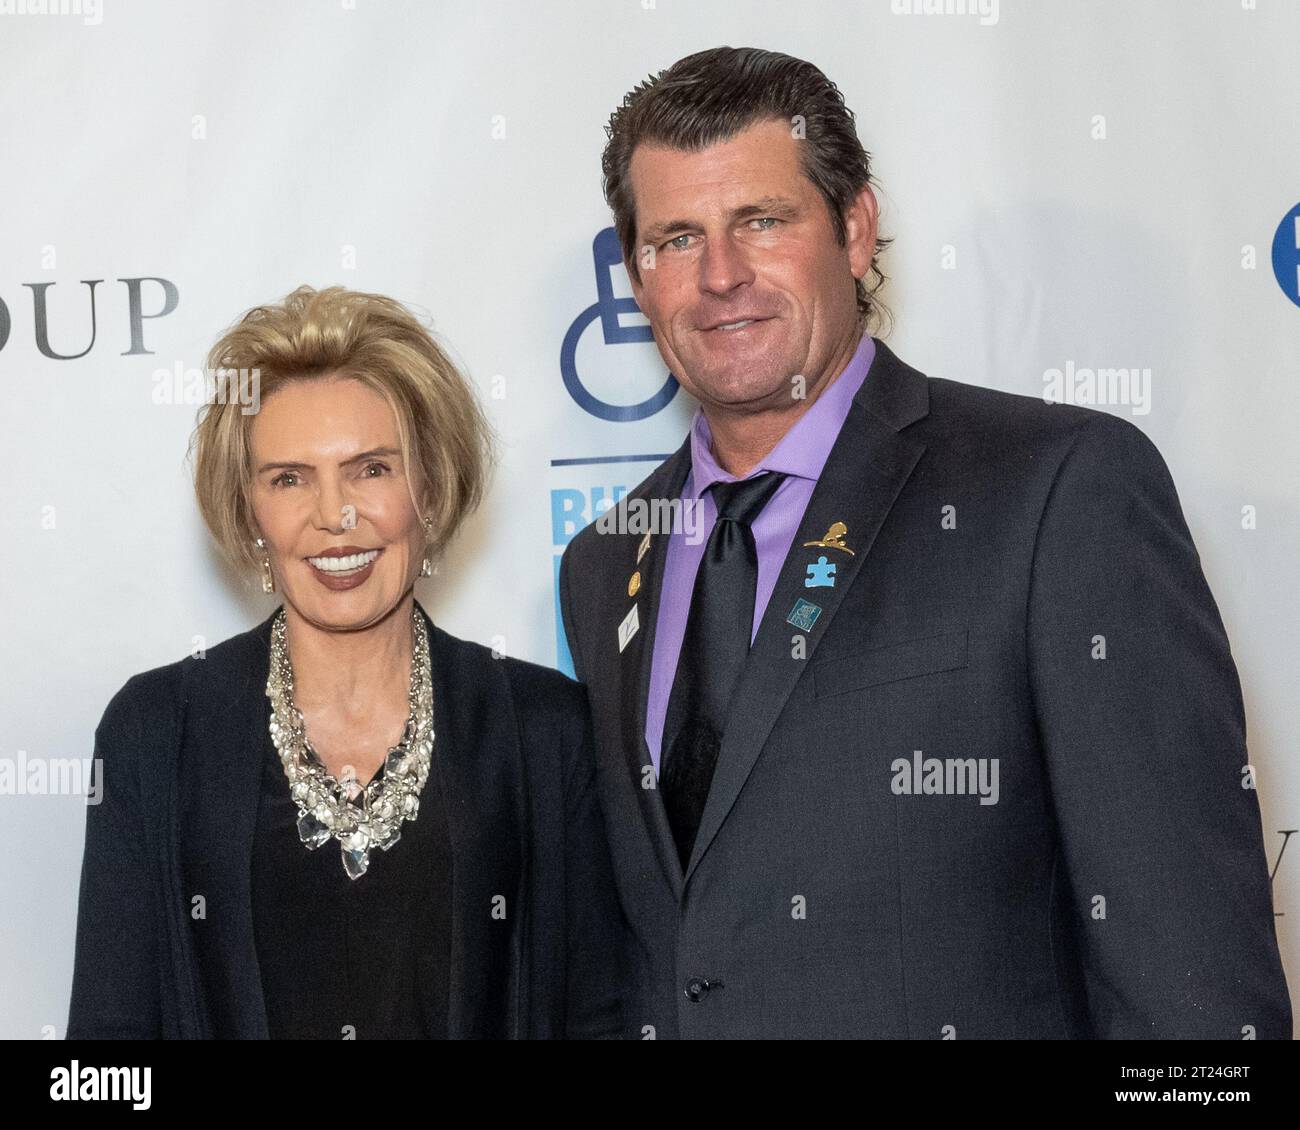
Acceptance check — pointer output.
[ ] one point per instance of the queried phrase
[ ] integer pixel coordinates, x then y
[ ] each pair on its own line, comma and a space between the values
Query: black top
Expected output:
340, 957
181, 759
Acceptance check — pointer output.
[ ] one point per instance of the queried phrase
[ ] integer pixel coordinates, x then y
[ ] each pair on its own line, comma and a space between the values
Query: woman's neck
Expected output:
343, 668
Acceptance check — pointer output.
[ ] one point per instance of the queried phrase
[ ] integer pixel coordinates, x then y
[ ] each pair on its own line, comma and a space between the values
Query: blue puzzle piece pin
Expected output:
821, 575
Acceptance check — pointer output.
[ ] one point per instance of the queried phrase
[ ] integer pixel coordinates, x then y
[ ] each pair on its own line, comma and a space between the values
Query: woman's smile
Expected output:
344, 568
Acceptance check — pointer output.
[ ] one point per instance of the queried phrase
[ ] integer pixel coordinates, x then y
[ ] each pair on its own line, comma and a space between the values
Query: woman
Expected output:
344, 823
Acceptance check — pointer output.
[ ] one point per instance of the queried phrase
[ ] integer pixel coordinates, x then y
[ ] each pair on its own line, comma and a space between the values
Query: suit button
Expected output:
697, 988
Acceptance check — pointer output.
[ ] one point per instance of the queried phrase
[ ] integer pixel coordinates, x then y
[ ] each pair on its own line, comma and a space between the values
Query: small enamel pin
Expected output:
634, 583
834, 539
804, 614
643, 547
821, 574
627, 629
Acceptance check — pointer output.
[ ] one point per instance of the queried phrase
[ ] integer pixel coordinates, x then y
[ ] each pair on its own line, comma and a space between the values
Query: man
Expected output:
937, 735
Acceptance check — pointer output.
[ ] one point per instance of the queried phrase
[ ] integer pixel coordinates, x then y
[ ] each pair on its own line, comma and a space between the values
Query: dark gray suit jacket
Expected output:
183, 748
1118, 888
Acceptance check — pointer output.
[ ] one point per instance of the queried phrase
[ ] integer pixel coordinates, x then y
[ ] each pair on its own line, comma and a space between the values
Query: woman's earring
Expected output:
268, 578
426, 566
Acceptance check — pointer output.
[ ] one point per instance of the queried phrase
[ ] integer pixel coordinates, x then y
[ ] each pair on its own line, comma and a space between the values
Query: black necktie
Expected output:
714, 647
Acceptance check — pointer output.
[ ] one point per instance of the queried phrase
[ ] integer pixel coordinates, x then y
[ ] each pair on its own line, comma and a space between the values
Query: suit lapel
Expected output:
633, 671
867, 467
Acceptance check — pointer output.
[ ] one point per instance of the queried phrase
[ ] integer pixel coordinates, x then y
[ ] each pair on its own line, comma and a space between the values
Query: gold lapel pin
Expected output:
834, 539
634, 583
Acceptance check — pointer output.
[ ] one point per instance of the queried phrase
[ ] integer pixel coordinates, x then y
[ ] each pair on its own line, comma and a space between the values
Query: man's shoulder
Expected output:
958, 403
1007, 425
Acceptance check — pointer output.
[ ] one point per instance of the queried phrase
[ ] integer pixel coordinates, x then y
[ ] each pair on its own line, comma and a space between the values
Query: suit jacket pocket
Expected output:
906, 660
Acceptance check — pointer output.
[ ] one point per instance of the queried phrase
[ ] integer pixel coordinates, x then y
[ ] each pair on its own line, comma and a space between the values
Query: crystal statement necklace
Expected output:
327, 808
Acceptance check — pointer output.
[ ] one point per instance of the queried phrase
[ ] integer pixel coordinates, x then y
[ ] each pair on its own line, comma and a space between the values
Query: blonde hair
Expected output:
342, 333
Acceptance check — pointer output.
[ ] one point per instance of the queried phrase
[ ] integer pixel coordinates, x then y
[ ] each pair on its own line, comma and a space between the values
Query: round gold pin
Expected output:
634, 583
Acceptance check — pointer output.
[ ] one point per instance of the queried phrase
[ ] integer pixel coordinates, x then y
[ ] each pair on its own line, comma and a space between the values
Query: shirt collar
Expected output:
803, 450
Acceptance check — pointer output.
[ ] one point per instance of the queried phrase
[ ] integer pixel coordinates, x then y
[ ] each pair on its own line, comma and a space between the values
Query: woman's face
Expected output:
328, 480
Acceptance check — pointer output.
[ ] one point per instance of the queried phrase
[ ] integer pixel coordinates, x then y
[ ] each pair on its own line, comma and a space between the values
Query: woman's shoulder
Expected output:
140, 723
151, 702
145, 700
535, 690
544, 690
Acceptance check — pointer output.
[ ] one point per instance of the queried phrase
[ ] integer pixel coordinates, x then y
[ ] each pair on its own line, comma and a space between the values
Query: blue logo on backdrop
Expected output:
1286, 254
589, 484
606, 255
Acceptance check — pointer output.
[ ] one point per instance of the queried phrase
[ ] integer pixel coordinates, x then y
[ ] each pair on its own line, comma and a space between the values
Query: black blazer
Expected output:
183, 748
1118, 888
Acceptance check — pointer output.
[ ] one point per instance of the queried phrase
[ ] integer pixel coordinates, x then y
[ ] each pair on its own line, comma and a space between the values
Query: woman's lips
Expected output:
340, 573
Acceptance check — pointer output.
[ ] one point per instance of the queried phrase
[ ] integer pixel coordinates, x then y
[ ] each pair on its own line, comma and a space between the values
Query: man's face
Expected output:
738, 233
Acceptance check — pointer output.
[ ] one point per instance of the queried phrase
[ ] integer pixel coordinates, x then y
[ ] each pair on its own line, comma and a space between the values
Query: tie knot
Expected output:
744, 500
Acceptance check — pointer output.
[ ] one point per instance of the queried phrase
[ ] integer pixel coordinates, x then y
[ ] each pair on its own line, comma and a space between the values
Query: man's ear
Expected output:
861, 218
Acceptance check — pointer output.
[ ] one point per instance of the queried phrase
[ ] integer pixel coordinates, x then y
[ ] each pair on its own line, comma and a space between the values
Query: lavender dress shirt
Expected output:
800, 456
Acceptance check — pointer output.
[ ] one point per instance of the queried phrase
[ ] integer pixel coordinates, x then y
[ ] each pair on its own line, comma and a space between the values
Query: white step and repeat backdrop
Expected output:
1072, 184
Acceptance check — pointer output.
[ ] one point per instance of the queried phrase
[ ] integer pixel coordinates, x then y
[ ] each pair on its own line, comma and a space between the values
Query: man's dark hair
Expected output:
708, 98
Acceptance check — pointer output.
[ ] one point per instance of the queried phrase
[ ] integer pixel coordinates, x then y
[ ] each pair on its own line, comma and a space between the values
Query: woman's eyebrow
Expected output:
373, 453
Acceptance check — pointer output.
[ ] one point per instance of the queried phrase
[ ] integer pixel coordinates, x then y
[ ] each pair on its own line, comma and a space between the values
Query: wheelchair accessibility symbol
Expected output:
606, 255
1286, 254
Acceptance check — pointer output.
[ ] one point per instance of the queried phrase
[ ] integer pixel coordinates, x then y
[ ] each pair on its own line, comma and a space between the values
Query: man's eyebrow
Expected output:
373, 453
777, 206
